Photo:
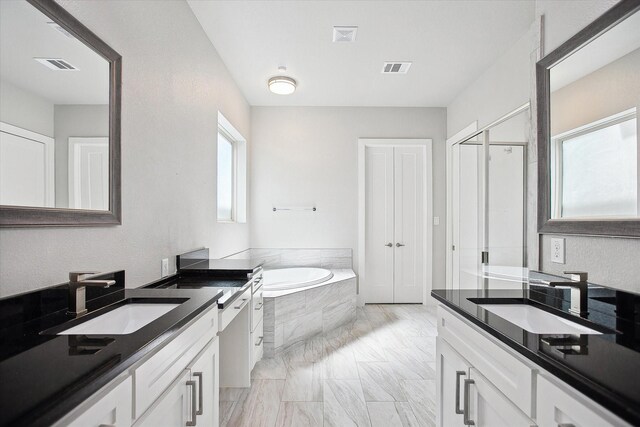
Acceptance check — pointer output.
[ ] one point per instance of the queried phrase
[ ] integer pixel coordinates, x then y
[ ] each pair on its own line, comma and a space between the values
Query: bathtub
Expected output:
294, 278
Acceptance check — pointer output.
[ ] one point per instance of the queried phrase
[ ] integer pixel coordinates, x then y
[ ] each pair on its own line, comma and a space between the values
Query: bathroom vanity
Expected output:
144, 355
519, 358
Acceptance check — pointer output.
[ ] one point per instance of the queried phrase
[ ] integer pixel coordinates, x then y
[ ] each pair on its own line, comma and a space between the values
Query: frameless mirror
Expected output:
588, 139
59, 119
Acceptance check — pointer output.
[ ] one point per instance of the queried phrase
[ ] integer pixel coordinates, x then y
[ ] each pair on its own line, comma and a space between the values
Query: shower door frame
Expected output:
452, 180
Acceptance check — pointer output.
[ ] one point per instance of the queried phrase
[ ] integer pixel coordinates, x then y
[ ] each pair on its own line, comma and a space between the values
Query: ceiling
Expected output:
24, 35
449, 42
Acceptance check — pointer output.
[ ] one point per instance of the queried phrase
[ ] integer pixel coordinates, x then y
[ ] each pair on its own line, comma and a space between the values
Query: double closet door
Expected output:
395, 227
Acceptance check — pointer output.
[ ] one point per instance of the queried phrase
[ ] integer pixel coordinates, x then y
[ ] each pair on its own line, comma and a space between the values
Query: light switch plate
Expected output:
557, 250
165, 267
436, 220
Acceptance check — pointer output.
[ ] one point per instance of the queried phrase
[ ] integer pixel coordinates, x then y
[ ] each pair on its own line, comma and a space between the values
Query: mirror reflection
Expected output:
595, 96
54, 114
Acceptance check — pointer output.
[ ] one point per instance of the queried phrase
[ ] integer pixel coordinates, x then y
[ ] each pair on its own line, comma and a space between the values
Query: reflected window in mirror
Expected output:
594, 169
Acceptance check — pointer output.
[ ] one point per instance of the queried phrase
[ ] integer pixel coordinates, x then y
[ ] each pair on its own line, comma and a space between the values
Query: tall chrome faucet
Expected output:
579, 291
77, 290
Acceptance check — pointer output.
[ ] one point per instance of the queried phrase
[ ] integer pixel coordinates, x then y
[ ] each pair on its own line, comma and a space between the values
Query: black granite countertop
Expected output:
43, 376
198, 262
604, 367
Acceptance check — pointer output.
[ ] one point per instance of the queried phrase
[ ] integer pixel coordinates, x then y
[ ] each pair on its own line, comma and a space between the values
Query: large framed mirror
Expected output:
59, 120
588, 93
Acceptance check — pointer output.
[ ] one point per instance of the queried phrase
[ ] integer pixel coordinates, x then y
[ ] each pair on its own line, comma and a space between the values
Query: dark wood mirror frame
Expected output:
595, 227
19, 216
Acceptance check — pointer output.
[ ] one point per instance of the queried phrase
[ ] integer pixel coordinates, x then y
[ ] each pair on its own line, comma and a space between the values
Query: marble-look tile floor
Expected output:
376, 371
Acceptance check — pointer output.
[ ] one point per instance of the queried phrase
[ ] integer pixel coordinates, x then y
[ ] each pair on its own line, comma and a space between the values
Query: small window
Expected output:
231, 176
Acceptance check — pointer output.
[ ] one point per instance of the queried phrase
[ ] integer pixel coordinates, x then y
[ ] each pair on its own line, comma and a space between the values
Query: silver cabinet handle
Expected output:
467, 397
399, 245
259, 306
458, 375
193, 421
259, 341
389, 245
238, 307
200, 391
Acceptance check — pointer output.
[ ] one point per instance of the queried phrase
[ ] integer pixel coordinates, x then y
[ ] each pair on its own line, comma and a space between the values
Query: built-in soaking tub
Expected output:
283, 279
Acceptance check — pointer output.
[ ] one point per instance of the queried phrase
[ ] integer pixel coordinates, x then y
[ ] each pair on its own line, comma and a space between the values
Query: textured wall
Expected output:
174, 83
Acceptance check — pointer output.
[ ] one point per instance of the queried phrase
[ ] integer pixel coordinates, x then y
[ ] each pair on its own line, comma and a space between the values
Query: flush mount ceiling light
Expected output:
342, 34
282, 85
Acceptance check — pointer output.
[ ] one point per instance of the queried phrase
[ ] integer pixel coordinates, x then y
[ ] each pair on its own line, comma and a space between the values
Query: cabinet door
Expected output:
489, 407
559, 407
452, 370
114, 409
204, 372
175, 407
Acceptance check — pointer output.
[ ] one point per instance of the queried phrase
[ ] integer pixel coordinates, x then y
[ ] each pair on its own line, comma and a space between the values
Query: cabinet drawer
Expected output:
114, 409
502, 368
160, 370
257, 344
229, 313
258, 308
563, 405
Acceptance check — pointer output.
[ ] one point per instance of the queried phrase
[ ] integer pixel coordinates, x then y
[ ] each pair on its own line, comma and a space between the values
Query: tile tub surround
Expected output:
291, 317
283, 258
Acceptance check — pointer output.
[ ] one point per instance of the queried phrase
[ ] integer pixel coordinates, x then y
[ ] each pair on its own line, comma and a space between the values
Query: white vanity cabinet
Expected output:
176, 385
482, 381
257, 329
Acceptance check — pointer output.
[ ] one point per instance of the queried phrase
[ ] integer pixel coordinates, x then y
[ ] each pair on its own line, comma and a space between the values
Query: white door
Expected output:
114, 409
379, 219
395, 203
174, 408
488, 407
452, 370
26, 168
409, 230
204, 372
89, 173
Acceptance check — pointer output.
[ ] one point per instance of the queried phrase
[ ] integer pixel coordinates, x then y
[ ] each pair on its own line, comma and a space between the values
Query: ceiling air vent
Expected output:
56, 64
57, 27
344, 34
396, 67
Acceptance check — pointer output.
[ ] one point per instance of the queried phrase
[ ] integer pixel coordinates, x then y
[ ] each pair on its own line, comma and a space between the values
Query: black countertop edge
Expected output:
617, 404
49, 411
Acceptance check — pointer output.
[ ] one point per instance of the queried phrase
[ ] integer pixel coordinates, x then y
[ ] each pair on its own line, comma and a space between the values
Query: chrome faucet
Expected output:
77, 290
579, 291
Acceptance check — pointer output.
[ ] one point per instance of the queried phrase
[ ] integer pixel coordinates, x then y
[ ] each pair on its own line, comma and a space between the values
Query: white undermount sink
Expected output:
537, 321
121, 321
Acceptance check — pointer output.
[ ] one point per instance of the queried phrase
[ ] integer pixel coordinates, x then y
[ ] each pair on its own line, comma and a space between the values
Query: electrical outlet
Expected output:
165, 267
436, 220
557, 250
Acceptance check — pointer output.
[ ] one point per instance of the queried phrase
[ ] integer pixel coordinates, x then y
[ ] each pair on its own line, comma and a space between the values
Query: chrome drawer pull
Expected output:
259, 341
259, 306
200, 390
193, 421
238, 307
467, 396
458, 375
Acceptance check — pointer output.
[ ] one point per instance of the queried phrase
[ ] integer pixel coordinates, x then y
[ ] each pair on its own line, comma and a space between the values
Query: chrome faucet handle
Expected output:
77, 276
578, 276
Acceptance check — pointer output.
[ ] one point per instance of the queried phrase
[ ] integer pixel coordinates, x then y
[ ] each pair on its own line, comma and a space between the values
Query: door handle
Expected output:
200, 391
194, 412
458, 375
399, 245
467, 397
389, 244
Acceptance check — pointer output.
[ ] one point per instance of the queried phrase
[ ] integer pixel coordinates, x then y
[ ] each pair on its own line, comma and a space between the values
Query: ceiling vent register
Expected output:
396, 67
56, 64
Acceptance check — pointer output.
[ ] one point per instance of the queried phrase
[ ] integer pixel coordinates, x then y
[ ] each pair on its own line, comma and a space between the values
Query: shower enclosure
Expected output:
488, 205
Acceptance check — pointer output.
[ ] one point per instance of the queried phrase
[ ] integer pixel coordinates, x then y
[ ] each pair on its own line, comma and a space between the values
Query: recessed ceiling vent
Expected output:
344, 34
56, 64
396, 67
57, 27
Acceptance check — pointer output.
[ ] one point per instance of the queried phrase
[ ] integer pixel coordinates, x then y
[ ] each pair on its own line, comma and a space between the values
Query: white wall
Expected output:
304, 156
70, 121
25, 110
174, 83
